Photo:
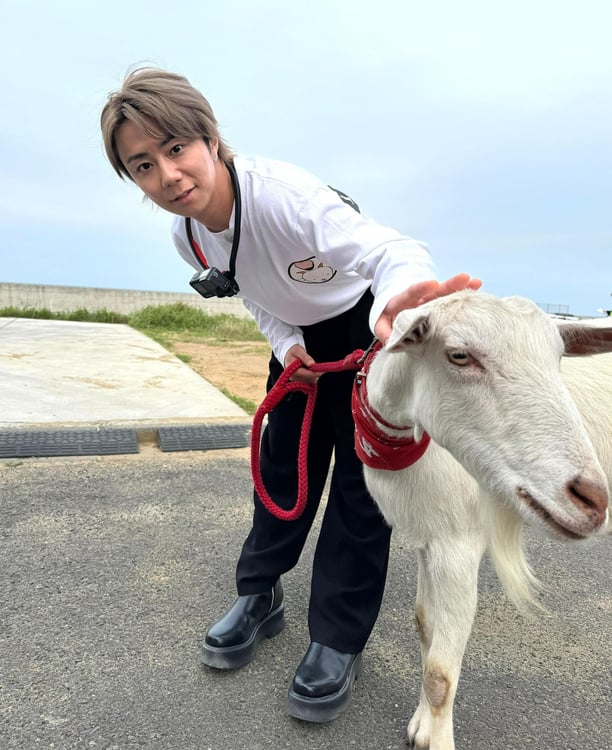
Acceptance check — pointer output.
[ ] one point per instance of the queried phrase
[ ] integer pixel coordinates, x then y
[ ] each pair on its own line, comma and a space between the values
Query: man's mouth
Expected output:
181, 196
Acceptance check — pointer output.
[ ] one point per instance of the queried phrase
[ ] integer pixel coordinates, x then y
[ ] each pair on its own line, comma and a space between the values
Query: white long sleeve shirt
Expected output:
304, 255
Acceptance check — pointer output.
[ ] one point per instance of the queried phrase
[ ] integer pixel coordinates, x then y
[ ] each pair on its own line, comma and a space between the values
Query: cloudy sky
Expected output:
481, 127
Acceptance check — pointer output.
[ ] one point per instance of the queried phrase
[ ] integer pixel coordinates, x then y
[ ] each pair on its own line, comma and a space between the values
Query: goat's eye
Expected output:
458, 356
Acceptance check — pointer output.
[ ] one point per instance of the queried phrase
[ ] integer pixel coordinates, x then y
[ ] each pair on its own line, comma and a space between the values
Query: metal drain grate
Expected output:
31, 443
204, 437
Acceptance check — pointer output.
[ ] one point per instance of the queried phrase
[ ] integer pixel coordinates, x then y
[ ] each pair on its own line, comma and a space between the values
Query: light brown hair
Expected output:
163, 104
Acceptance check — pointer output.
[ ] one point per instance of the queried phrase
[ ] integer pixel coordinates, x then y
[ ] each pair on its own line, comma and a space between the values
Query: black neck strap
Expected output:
231, 273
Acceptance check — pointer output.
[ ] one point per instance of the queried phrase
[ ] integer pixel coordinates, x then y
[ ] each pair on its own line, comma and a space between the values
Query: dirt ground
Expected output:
239, 369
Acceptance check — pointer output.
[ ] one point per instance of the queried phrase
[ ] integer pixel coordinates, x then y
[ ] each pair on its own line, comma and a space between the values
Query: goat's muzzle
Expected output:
589, 497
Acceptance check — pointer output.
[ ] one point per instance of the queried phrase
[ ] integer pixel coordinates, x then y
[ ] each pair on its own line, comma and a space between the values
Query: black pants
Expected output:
352, 552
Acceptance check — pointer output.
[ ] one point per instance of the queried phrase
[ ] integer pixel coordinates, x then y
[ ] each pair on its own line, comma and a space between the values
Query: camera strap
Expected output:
197, 250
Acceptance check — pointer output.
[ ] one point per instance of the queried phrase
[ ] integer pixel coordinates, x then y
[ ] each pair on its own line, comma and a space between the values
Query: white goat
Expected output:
481, 376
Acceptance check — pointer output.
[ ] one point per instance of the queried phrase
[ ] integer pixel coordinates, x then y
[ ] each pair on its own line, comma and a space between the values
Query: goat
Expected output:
512, 440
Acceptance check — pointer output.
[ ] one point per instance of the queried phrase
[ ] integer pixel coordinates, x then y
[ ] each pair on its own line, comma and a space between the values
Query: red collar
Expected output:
376, 448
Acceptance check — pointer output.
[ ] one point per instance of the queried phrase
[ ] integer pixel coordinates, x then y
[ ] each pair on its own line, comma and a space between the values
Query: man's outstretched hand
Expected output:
413, 296
418, 294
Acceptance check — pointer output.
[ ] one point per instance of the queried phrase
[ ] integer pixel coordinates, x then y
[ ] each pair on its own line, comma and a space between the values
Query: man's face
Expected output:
177, 174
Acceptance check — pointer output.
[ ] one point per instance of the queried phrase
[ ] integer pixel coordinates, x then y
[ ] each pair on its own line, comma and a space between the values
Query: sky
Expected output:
481, 127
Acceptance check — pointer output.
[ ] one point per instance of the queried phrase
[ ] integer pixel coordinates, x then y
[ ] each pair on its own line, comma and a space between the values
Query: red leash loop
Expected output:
281, 388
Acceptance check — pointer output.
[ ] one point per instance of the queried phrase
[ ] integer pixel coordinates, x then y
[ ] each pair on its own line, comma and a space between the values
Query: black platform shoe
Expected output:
323, 684
232, 641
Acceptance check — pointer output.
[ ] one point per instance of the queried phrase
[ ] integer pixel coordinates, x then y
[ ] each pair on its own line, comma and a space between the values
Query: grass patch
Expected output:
181, 318
157, 321
244, 403
81, 315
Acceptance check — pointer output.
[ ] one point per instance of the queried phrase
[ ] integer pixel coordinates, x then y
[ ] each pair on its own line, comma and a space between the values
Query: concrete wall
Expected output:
70, 298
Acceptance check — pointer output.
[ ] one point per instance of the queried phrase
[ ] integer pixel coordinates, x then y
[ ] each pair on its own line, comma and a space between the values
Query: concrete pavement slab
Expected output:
68, 373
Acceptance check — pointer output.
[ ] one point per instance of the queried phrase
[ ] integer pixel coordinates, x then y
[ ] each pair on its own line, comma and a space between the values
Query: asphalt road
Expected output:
111, 568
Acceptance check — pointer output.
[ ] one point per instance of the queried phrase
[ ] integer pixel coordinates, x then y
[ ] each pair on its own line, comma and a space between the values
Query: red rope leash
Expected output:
281, 388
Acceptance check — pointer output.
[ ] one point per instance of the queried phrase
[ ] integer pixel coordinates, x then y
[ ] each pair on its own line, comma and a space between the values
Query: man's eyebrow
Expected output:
135, 157
143, 154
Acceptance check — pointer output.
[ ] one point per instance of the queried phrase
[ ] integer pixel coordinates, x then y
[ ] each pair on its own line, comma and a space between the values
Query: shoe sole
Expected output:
234, 657
326, 707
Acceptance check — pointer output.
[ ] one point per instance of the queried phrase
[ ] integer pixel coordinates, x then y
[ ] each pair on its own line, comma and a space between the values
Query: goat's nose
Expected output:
590, 496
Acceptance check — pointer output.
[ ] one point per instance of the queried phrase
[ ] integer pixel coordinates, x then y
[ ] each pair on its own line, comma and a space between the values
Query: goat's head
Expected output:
482, 376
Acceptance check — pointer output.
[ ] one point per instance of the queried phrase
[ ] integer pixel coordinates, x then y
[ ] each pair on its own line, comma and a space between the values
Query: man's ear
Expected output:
593, 336
410, 327
213, 147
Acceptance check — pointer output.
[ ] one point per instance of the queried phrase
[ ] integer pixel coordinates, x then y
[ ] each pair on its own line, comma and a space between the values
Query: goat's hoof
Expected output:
411, 744
417, 734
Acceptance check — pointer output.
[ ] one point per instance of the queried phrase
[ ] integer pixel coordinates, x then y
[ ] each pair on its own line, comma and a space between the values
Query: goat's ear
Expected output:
592, 336
409, 328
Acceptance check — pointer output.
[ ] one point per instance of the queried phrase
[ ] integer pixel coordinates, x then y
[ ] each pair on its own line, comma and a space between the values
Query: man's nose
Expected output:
170, 174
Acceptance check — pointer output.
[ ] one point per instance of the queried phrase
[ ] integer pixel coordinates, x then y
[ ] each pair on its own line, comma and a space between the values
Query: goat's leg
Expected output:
445, 607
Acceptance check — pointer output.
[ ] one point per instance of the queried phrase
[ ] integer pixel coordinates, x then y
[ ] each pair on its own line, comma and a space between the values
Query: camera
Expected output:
214, 283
